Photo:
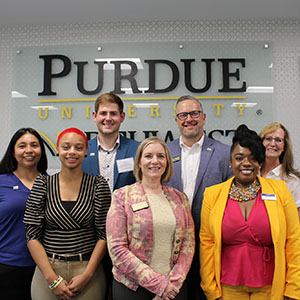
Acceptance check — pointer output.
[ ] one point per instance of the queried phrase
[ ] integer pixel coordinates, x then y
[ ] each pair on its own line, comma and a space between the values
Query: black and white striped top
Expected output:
61, 232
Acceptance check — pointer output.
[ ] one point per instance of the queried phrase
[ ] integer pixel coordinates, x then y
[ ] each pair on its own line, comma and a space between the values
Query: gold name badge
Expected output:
175, 159
138, 206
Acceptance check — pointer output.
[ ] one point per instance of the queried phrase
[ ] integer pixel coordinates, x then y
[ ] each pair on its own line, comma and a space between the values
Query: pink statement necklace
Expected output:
244, 194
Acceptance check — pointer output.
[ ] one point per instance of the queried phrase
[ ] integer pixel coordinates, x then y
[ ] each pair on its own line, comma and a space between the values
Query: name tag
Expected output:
139, 206
176, 158
268, 196
125, 165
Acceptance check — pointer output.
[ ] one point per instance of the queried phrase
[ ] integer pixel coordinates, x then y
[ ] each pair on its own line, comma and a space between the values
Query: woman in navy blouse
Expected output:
24, 160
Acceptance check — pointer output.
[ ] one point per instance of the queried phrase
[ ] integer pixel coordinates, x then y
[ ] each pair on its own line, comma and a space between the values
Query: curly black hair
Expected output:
249, 139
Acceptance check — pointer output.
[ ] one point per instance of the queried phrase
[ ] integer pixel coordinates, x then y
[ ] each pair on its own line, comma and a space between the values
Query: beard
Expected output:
191, 135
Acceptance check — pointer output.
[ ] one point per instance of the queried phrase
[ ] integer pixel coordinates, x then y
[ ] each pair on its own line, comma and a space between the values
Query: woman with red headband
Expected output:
65, 226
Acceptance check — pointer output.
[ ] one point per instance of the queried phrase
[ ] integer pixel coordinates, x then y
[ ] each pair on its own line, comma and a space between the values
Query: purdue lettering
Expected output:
230, 69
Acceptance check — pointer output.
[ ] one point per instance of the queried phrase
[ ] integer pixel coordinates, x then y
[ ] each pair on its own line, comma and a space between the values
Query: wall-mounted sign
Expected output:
55, 86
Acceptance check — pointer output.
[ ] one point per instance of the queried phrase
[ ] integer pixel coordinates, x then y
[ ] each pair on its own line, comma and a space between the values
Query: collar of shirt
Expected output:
190, 162
276, 170
114, 147
198, 144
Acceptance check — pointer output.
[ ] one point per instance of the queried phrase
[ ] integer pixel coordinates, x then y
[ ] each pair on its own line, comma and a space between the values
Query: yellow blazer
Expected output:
285, 230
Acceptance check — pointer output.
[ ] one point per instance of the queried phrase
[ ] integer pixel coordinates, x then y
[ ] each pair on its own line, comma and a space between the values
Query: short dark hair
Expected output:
109, 98
248, 138
9, 164
188, 97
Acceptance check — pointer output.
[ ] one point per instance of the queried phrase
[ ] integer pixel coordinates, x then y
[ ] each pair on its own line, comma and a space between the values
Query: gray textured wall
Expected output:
284, 34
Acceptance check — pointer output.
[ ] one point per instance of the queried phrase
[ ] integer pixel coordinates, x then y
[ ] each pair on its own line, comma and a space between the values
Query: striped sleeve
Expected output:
35, 209
102, 202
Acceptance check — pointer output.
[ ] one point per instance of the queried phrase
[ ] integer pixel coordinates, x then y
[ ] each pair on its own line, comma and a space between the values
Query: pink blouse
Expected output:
247, 247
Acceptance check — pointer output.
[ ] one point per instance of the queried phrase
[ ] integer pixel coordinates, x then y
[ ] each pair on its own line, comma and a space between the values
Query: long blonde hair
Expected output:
286, 158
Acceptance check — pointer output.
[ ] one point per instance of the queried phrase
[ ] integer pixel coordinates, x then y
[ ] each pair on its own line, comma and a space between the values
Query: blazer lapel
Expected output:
176, 158
220, 208
121, 153
139, 194
217, 220
271, 206
206, 153
93, 159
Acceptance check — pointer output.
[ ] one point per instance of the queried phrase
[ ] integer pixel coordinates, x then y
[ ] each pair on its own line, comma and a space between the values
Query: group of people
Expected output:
194, 219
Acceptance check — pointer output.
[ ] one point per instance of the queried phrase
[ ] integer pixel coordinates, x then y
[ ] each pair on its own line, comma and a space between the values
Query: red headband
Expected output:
75, 130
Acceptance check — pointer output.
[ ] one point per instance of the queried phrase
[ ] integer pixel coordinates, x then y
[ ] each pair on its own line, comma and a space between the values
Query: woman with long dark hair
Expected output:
24, 159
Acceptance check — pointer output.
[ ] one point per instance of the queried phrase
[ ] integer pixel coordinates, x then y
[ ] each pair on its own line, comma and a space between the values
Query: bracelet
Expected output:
55, 283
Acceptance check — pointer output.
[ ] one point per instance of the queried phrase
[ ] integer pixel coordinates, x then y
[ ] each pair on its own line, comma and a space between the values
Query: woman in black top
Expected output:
65, 226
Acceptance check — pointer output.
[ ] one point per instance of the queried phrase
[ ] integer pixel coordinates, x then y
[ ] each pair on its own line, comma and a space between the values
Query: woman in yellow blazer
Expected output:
232, 267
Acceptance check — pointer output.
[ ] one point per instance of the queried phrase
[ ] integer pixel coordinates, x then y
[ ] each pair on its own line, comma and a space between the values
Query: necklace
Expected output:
244, 194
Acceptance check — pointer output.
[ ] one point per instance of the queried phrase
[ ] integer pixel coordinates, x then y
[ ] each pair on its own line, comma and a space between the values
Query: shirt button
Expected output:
176, 252
177, 241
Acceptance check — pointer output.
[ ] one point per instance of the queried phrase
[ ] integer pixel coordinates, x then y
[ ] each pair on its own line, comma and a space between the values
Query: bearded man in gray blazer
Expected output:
198, 162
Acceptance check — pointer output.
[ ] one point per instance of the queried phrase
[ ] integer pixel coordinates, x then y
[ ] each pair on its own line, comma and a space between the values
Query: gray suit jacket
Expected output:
213, 169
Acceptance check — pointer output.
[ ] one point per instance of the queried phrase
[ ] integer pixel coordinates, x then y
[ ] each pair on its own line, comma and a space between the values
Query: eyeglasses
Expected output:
195, 114
277, 140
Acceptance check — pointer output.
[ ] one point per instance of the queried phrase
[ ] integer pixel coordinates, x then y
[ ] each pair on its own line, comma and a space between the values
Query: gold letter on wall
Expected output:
66, 112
